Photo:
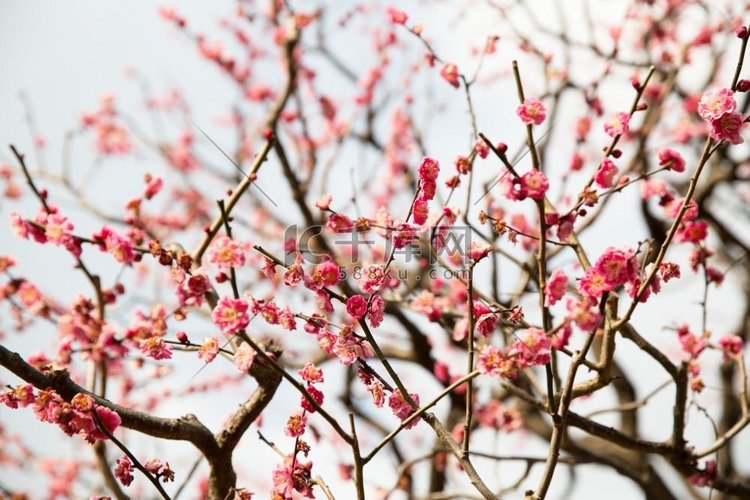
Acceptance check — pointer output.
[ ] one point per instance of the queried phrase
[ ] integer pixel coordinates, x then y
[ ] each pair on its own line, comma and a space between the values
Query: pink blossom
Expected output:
556, 286
396, 16
356, 306
58, 229
329, 272
227, 253
349, 348
672, 209
124, 470
495, 415
715, 103
450, 74
244, 357
230, 315
153, 186
295, 426
691, 343
156, 348
535, 184
292, 475
376, 313
373, 277
727, 128
30, 297
421, 211
311, 374
594, 283
669, 270
617, 266
339, 223
401, 408
532, 347
478, 251
605, 175
671, 159
403, 235
116, 245
294, 273
496, 362
324, 203
482, 149
731, 346
208, 349
316, 395
617, 124
691, 232
532, 111
585, 314
6, 262
428, 169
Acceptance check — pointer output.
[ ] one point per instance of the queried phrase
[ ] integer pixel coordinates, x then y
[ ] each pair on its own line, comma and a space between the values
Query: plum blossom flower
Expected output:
617, 124
401, 408
58, 229
208, 349
421, 211
584, 313
316, 395
478, 251
356, 306
532, 111
731, 345
339, 223
671, 159
244, 357
124, 470
311, 374
324, 203
532, 348
376, 313
693, 231
292, 475
227, 253
715, 103
727, 128
556, 286
118, 246
605, 175
396, 16
535, 184
156, 348
230, 315
494, 361
450, 74
428, 169
373, 277
295, 426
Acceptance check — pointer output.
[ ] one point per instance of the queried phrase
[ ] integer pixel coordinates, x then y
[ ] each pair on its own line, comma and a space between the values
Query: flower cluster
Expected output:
533, 184
428, 174
531, 348
292, 475
718, 107
401, 408
74, 417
